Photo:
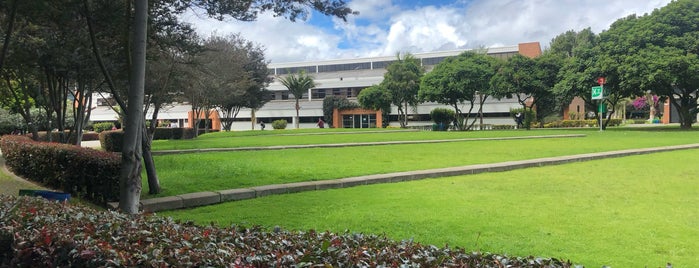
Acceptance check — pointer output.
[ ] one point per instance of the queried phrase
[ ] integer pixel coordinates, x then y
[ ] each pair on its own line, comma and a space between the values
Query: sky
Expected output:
387, 27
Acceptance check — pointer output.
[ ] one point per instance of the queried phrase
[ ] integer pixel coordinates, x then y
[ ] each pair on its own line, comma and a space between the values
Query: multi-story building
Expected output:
346, 78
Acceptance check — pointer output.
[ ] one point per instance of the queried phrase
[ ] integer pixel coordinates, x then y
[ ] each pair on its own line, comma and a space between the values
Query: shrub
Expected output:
111, 141
279, 124
90, 136
442, 117
41, 233
175, 133
83, 172
102, 126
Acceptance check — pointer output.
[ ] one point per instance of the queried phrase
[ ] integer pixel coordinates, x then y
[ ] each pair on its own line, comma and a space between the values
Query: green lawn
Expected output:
184, 173
638, 211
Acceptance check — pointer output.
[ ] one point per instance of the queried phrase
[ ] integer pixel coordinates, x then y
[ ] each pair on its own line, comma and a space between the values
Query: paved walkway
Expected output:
353, 144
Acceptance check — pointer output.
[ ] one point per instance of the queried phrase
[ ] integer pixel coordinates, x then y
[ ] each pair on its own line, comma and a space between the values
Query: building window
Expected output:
381, 64
293, 70
337, 92
285, 95
273, 96
318, 93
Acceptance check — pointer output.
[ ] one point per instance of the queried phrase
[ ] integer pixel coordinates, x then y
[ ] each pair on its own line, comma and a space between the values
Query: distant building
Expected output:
342, 77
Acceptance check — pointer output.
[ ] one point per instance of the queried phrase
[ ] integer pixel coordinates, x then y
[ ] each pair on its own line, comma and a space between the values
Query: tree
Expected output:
465, 78
658, 53
402, 80
377, 98
118, 43
249, 89
298, 84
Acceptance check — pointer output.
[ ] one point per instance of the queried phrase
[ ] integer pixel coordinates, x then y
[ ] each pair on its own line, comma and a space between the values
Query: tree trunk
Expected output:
297, 114
130, 179
153, 182
146, 141
8, 32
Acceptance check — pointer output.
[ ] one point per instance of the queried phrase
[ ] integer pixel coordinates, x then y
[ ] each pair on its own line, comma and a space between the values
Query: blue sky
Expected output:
386, 27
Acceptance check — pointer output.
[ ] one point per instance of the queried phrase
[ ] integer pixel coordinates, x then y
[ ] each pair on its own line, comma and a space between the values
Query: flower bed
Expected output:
38, 233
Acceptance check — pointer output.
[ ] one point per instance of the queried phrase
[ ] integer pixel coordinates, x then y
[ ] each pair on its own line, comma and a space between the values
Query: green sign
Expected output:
597, 93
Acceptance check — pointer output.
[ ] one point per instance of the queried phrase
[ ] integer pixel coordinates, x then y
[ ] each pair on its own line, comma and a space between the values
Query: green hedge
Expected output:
112, 140
176, 133
83, 172
40, 233
102, 126
580, 123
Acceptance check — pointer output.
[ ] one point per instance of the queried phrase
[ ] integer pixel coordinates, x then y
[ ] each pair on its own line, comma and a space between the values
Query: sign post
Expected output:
598, 94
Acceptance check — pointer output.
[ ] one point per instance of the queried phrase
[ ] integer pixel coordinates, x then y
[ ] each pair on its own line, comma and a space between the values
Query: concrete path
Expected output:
353, 144
214, 197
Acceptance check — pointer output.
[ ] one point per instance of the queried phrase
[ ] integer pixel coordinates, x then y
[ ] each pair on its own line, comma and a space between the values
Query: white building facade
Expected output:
346, 78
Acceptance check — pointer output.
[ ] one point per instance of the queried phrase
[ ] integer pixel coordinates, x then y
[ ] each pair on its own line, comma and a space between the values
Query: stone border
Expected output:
353, 144
207, 198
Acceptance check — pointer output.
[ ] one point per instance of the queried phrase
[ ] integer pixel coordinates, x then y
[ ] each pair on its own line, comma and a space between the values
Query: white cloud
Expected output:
382, 28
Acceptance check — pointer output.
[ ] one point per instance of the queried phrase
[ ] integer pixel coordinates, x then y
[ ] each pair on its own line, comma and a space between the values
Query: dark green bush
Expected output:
112, 140
83, 172
102, 126
279, 124
41, 233
495, 127
442, 118
176, 133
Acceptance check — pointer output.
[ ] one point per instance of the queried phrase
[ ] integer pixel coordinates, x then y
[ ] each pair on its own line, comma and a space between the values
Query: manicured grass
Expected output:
324, 136
319, 136
11, 186
638, 211
186, 173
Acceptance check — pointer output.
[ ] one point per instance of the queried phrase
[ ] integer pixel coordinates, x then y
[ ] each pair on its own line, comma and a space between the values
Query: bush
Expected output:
497, 127
83, 172
175, 133
102, 126
580, 123
442, 118
90, 136
41, 233
112, 140
279, 124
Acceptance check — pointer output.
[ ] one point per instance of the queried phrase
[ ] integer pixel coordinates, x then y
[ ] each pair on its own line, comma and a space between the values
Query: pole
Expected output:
599, 109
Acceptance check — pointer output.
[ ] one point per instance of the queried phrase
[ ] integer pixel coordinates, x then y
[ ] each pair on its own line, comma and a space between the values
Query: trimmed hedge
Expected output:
111, 140
102, 126
176, 133
40, 233
580, 123
83, 172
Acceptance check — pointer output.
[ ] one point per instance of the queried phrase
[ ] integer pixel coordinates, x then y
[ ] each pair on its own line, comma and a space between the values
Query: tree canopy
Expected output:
457, 80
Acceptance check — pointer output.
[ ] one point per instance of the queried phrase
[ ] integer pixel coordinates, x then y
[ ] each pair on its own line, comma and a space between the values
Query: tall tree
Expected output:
298, 84
460, 79
658, 54
402, 80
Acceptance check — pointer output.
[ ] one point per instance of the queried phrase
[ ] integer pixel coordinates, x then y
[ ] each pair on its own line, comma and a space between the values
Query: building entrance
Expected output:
359, 121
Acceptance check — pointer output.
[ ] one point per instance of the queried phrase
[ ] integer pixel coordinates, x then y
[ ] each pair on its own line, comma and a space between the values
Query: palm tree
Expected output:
298, 84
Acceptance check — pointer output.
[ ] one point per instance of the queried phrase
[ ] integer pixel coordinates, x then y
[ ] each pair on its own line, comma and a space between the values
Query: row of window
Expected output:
319, 93
365, 65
